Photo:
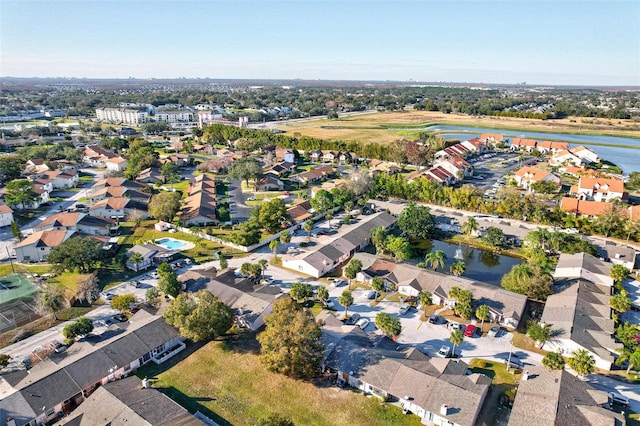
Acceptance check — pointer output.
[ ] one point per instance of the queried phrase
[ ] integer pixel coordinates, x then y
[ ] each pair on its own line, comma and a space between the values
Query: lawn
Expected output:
5, 269
225, 381
492, 411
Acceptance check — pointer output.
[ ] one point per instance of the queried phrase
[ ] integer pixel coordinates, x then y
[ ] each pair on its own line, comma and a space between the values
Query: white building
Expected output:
180, 116
121, 116
6, 215
117, 164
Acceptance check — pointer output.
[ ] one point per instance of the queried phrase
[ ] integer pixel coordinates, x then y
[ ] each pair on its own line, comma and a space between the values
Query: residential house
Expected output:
315, 155
348, 157
118, 208
474, 145
62, 178
440, 175
565, 158
587, 155
6, 215
35, 165
250, 303
583, 266
119, 181
557, 398
456, 166
546, 147
578, 171
57, 385
130, 401
181, 160
527, 176
77, 222
37, 246
64, 165
618, 254
152, 255
377, 166
203, 149
518, 144
285, 155
329, 185
150, 175
281, 169
585, 207
599, 189
200, 206
437, 390
313, 175
98, 194
269, 182
492, 138
116, 164
320, 261
96, 156
300, 211
330, 156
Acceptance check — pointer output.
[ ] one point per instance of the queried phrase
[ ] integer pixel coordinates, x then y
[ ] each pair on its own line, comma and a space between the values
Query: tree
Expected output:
435, 259
245, 169
152, 294
168, 283
323, 293
275, 419
51, 300
224, 263
4, 360
458, 267
20, 192
470, 226
322, 202
199, 316
291, 343
634, 360
538, 332
170, 171
426, 299
456, 338
377, 284
136, 258
553, 361
416, 222
308, 226
619, 273
80, 327
399, 247
165, 205
15, 230
11, 167
493, 236
620, 302
346, 300
379, 238
246, 234
285, 237
80, 254
301, 291
352, 269
123, 302
390, 325
263, 264
273, 245
273, 215
483, 313
87, 289
582, 362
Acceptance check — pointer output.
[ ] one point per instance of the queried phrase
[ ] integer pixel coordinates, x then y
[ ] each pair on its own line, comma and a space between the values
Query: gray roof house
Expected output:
555, 398
585, 266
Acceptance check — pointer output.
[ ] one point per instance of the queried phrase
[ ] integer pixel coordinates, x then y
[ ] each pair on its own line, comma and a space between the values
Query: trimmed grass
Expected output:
69, 281
5, 269
227, 381
492, 411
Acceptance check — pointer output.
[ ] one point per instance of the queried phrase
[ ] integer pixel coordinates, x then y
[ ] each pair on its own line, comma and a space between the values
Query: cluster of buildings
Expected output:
174, 114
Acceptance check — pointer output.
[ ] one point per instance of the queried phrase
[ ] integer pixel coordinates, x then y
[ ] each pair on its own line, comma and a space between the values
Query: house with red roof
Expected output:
599, 189
492, 138
548, 146
518, 144
527, 176
585, 207
474, 145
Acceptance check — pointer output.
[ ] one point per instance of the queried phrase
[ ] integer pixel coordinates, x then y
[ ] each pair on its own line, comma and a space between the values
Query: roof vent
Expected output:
525, 375
145, 383
444, 409
618, 255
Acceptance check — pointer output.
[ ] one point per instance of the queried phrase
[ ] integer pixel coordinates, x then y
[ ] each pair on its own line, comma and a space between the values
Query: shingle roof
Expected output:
48, 238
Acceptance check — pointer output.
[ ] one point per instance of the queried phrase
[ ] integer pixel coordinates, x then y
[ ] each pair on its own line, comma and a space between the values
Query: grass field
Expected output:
503, 384
378, 126
226, 381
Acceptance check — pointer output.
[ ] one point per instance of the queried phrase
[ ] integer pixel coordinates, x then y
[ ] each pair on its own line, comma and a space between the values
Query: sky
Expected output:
509, 41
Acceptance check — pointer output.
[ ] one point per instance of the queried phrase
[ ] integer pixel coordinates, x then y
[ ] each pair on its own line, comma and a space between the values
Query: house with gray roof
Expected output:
580, 315
555, 398
585, 266
56, 385
152, 254
437, 390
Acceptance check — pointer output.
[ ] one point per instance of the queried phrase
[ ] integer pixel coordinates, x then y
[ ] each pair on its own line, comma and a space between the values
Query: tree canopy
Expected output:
199, 316
20, 192
273, 215
168, 281
164, 205
81, 254
80, 327
390, 325
416, 222
245, 169
122, 302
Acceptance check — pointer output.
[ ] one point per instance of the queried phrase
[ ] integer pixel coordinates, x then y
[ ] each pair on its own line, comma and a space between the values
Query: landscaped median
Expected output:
225, 380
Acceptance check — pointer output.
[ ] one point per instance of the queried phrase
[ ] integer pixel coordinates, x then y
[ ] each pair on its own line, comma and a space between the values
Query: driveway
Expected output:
237, 207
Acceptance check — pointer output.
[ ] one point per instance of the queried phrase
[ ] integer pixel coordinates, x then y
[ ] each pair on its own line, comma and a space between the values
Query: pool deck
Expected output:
187, 245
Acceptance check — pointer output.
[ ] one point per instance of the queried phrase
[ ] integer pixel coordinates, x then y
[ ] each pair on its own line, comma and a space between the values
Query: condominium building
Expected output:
121, 115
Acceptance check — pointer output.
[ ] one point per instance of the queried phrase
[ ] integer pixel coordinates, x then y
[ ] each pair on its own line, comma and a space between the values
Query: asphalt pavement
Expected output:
237, 207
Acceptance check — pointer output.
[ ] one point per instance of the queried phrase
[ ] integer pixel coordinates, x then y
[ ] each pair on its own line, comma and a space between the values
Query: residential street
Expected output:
237, 207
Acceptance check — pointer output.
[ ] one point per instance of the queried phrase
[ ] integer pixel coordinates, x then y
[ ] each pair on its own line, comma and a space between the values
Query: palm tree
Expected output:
273, 245
435, 259
263, 263
582, 362
456, 338
483, 313
346, 300
308, 226
521, 272
136, 258
553, 361
323, 293
470, 226
458, 267
634, 360
51, 300
378, 237
426, 299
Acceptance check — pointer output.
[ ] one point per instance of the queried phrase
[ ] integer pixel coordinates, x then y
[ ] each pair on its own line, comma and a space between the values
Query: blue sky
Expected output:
509, 41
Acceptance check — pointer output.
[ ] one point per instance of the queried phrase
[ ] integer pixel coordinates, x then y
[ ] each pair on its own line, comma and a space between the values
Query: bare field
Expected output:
374, 127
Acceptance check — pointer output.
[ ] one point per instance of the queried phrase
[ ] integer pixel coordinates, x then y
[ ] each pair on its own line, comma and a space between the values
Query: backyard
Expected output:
493, 412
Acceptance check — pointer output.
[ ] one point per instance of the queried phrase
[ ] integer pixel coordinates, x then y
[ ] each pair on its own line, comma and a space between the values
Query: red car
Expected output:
470, 331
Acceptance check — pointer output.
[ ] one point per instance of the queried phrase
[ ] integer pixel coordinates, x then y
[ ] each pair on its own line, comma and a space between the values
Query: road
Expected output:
237, 207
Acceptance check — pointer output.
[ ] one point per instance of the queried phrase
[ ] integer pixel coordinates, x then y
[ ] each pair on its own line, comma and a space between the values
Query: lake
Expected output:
482, 265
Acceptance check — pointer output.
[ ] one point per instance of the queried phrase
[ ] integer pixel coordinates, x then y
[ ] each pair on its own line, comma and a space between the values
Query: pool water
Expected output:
172, 243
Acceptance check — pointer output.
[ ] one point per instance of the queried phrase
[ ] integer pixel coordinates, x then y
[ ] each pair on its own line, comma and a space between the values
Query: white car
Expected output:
329, 304
338, 282
404, 308
252, 198
362, 323
444, 352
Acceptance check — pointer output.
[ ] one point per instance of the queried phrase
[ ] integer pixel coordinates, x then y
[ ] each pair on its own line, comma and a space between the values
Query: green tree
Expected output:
80, 327
458, 267
634, 360
323, 293
263, 264
308, 227
285, 237
416, 222
620, 302
352, 269
426, 299
377, 284
224, 263
245, 169
470, 226
123, 302
168, 283
273, 245
79, 254
246, 234
51, 300
399, 247
15, 230
435, 259
456, 338
538, 332
4, 360
582, 362
346, 300
152, 295
301, 291
273, 215
170, 171
379, 238
322, 202
20, 192
199, 316
493, 236
390, 325
483, 313
11, 167
291, 344
136, 258
165, 205
619, 273
553, 361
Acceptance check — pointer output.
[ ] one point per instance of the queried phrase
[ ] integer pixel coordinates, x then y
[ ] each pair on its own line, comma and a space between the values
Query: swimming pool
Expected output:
173, 244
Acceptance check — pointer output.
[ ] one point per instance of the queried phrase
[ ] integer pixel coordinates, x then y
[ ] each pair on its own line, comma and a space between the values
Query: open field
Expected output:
226, 381
375, 127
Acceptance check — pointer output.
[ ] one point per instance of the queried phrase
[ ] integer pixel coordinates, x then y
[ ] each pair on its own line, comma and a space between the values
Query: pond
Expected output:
482, 265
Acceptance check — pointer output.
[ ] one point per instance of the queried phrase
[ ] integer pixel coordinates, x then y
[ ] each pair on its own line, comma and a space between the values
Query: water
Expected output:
624, 158
482, 265
171, 243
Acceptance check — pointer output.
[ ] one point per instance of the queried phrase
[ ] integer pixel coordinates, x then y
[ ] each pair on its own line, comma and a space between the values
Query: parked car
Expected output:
434, 319
329, 304
58, 347
107, 296
371, 294
470, 330
362, 323
494, 331
252, 198
617, 399
455, 326
338, 282
120, 317
154, 274
404, 308
352, 319
444, 352
268, 280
